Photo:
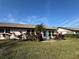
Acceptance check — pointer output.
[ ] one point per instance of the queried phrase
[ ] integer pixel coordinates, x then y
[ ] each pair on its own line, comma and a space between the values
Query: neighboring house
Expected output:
16, 28
65, 30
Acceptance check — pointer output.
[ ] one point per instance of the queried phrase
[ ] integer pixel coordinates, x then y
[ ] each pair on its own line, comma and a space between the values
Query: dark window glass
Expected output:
49, 33
44, 33
28, 32
7, 30
1, 30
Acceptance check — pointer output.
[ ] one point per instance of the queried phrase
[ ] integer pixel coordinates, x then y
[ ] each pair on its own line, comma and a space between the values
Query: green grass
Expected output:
58, 49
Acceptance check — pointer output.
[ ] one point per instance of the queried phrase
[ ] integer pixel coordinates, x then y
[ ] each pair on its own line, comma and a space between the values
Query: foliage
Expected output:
39, 28
72, 35
31, 38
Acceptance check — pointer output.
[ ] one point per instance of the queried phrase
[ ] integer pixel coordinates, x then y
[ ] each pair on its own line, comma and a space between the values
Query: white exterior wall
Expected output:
65, 31
16, 31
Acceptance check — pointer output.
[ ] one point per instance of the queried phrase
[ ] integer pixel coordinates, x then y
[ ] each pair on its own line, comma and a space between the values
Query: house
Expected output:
16, 28
66, 30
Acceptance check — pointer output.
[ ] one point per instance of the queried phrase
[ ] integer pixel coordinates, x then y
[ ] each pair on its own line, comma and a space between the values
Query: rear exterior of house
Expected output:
16, 28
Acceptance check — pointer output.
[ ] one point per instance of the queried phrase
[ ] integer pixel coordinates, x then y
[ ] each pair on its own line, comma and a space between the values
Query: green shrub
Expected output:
72, 35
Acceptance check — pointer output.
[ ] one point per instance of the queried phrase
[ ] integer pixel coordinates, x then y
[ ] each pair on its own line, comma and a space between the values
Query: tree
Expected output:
39, 28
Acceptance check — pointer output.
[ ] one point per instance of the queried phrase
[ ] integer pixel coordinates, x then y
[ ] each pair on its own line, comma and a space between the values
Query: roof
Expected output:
16, 25
72, 29
21, 25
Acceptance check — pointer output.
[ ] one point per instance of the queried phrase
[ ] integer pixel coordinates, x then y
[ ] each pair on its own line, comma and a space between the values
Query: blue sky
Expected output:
49, 12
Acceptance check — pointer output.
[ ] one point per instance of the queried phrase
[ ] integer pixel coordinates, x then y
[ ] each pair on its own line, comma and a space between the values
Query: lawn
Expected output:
57, 49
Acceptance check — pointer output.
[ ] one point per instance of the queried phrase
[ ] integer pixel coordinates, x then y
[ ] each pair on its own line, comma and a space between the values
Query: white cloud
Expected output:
65, 23
36, 20
8, 18
11, 19
71, 23
28, 20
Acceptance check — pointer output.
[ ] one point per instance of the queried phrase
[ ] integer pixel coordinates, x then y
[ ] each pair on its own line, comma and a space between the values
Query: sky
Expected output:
48, 12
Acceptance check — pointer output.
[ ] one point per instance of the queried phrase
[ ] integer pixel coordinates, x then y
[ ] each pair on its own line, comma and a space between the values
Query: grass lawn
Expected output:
58, 49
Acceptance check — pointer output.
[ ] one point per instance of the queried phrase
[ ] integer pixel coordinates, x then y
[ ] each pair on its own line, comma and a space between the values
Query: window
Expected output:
1, 30
7, 30
44, 33
49, 33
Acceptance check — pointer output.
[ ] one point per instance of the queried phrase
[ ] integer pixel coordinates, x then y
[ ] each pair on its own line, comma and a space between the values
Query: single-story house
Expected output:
15, 28
66, 30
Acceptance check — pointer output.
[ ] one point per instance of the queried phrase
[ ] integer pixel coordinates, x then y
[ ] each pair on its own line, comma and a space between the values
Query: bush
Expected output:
31, 38
72, 35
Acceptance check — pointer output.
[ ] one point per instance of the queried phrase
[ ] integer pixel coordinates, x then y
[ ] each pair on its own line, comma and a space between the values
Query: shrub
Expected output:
72, 35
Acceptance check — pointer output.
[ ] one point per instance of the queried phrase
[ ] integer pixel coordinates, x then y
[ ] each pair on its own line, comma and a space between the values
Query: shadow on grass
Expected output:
8, 43
6, 48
